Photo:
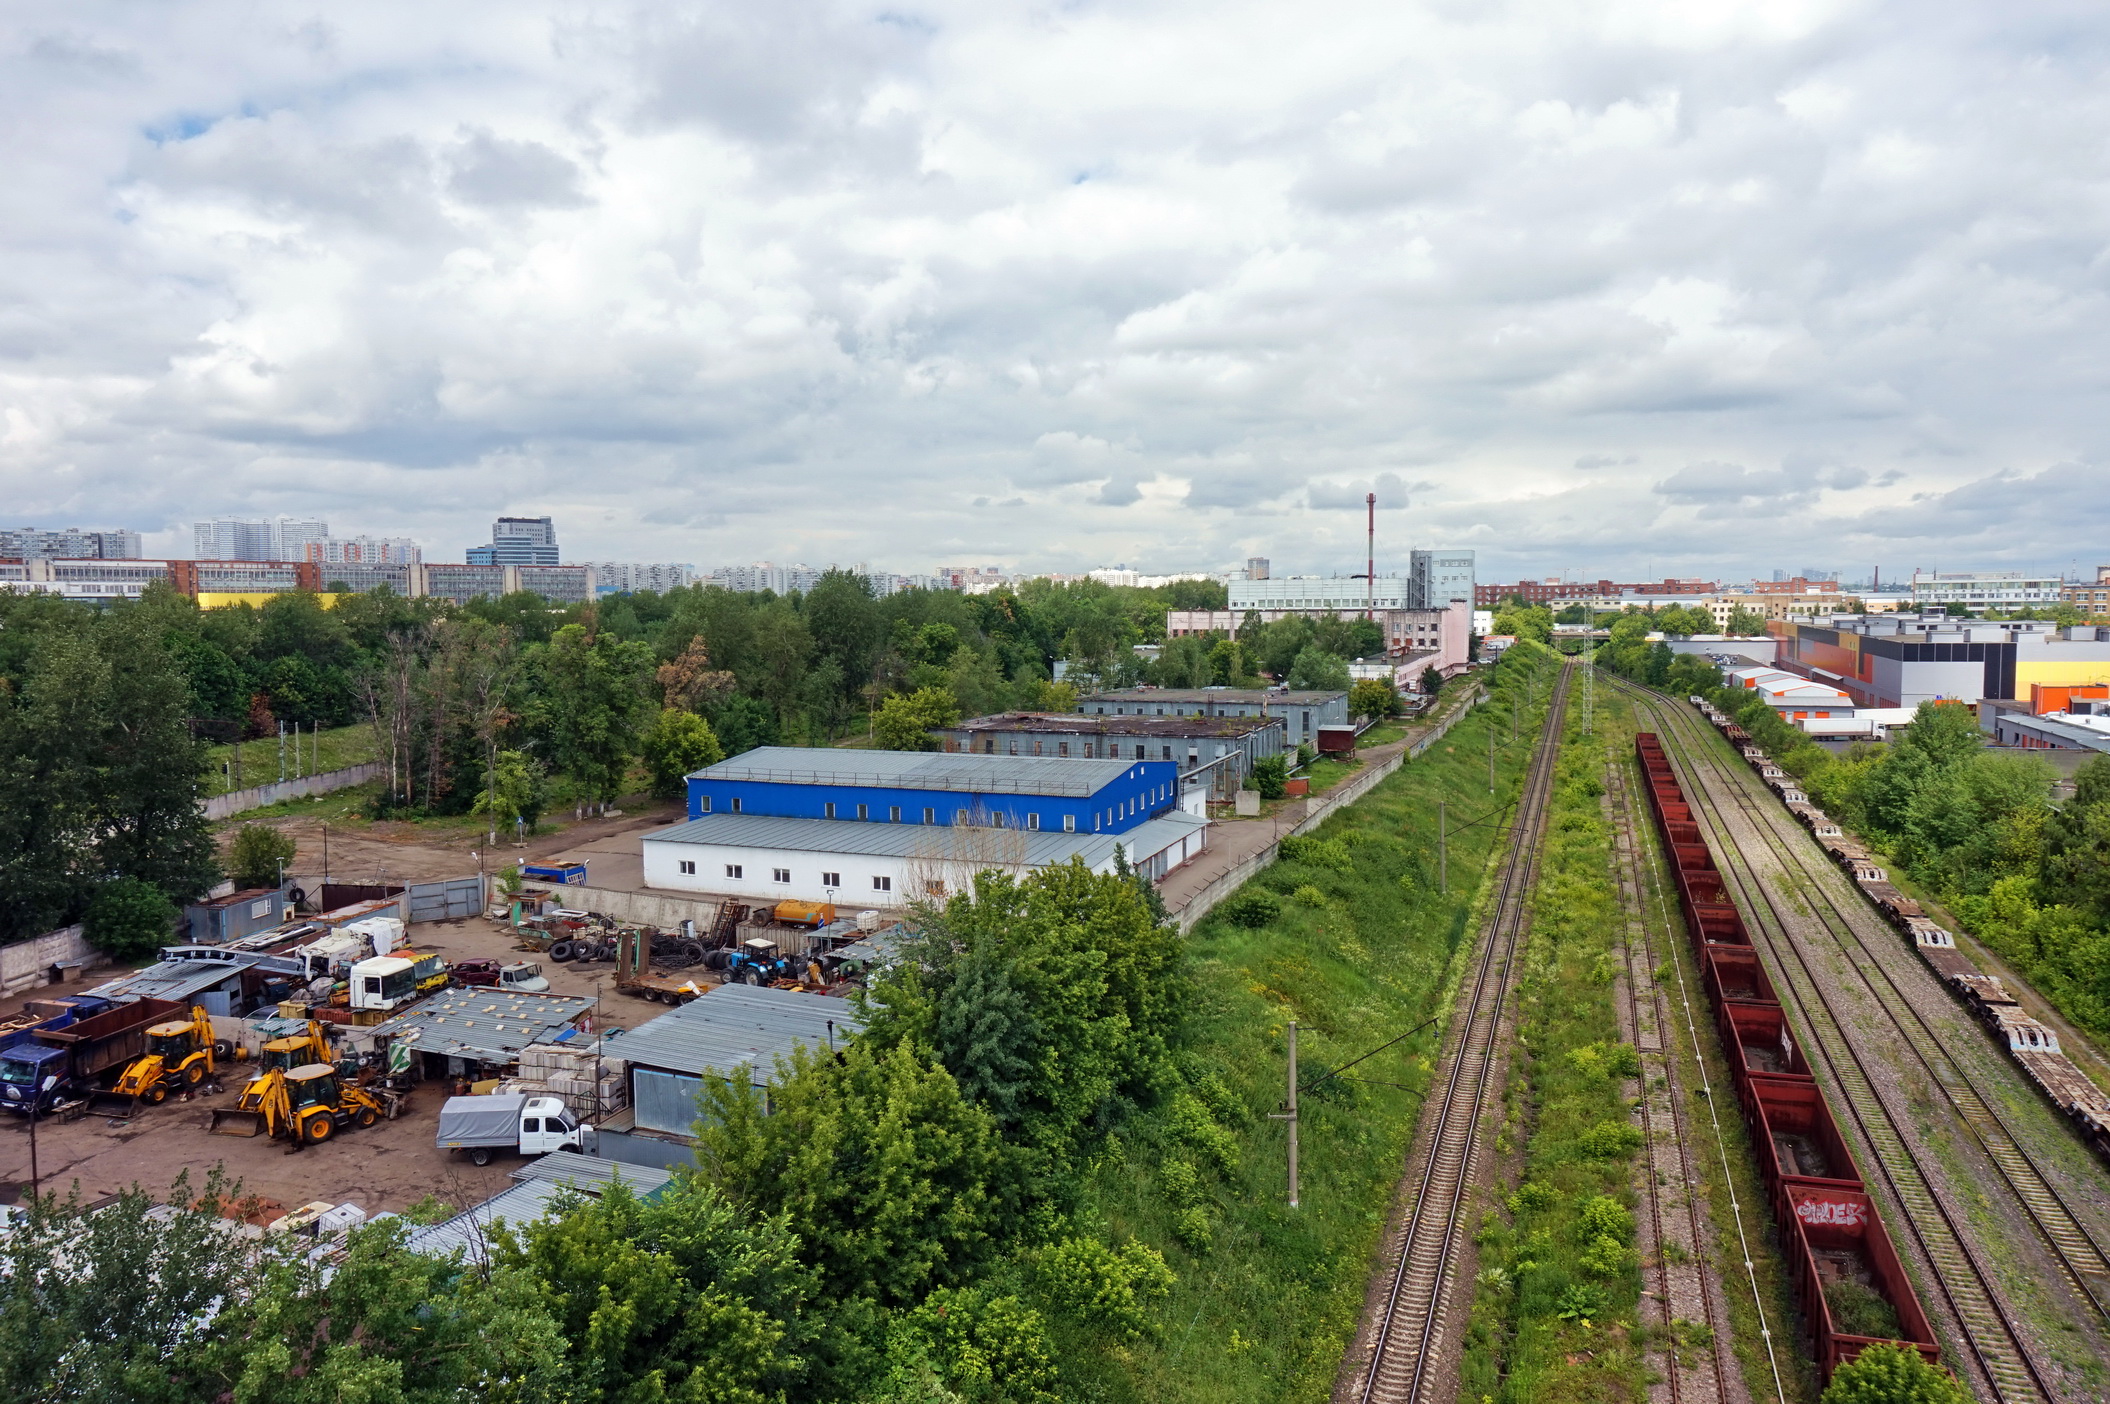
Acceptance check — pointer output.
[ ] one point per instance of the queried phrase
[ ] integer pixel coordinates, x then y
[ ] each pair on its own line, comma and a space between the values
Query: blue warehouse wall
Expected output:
1145, 789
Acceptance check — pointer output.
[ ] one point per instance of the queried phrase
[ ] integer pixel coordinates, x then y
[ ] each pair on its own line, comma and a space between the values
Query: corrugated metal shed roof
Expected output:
737, 1026
170, 979
929, 842
484, 1024
1211, 694
921, 770
1092, 724
542, 1183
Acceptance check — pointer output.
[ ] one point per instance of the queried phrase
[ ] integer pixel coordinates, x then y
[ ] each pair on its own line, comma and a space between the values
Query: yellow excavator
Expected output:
279, 1056
305, 1105
181, 1053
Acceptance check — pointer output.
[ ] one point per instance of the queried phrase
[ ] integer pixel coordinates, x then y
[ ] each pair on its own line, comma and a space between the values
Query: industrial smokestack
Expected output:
1370, 563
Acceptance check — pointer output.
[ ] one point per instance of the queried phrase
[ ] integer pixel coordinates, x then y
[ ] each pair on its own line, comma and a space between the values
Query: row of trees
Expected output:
1522, 619
899, 1226
1977, 828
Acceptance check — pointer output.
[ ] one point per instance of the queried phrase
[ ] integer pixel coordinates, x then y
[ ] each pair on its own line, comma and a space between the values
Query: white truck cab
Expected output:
384, 982
483, 1126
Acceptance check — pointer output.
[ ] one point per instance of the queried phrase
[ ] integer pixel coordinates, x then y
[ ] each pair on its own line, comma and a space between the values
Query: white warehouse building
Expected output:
771, 859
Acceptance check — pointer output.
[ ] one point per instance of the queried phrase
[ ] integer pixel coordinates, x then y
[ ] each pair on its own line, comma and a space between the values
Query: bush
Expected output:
1372, 698
259, 856
1605, 1217
1253, 907
1318, 853
1859, 1310
1308, 896
1606, 1257
1610, 1140
129, 920
1112, 1291
1181, 1182
1615, 1060
1271, 777
1194, 1128
1193, 1229
1533, 1195
1888, 1374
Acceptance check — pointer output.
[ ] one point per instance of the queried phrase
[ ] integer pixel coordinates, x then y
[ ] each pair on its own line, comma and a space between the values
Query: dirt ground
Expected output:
359, 851
389, 1166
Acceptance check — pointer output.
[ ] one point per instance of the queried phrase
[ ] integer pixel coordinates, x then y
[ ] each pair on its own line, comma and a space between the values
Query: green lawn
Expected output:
331, 749
1364, 949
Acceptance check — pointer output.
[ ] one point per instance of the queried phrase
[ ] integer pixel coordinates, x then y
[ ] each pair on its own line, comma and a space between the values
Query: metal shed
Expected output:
479, 1028
733, 1028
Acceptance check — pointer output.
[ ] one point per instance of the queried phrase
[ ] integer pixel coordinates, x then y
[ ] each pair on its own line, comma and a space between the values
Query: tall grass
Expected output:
1364, 948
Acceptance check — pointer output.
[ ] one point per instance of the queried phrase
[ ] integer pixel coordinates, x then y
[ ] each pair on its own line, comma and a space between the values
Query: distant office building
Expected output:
1302, 712
1440, 577
1976, 590
1256, 567
1555, 591
30, 544
2090, 597
244, 539
974, 580
518, 541
1795, 585
1339, 594
630, 577
1902, 660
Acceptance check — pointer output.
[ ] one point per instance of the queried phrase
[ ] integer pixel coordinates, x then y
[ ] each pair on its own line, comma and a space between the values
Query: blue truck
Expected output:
39, 1014
60, 1063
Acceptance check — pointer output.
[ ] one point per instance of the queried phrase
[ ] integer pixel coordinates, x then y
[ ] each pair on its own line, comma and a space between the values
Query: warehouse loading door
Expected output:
446, 901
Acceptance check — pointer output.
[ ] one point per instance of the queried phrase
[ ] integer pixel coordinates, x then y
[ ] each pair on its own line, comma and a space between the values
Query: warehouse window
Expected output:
734, 870
996, 820
882, 884
1062, 748
703, 805
736, 804
831, 879
1033, 822
893, 814
1168, 753
959, 816
930, 816
935, 887
1069, 823
1139, 752
828, 810
864, 811
688, 868
781, 874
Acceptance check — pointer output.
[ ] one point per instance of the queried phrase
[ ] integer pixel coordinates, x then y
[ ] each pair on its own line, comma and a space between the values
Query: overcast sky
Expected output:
1609, 288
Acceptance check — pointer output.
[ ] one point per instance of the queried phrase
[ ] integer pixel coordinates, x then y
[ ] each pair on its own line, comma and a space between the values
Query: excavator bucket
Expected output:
237, 1121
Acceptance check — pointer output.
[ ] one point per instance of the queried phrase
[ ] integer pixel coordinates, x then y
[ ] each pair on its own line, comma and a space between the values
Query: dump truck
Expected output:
484, 1126
305, 1106
22, 1026
61, 1064
180, 1053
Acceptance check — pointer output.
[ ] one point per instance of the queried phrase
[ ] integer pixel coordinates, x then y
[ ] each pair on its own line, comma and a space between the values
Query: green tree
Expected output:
2075, 867
847, 625
1431, 682
594, 700
129, 919
1745, 622
1533, 622
678, 743
1893, 1374
1316, 670
513, 789
906, 723
1271, 776
1372, 698
259, 855
889, 1173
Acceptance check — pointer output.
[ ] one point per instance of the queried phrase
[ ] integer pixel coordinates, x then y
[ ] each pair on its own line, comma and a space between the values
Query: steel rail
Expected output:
1640, 949
1409, 1323
1960, 1272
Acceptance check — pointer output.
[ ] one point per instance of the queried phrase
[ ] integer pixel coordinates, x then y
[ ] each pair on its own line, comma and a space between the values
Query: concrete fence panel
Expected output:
26, 964
257, 796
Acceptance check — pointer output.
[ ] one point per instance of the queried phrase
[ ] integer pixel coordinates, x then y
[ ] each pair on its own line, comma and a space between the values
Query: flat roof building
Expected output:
1986, 589
1226, 748
1901, 660
1303, 713
475, 1030
1795, 697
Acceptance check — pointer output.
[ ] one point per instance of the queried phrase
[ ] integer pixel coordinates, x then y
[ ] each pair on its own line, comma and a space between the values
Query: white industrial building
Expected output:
768, 859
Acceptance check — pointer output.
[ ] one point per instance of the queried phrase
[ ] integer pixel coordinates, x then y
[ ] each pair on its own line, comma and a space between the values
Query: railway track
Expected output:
1679, 1282
1415, 1316
1961, 1275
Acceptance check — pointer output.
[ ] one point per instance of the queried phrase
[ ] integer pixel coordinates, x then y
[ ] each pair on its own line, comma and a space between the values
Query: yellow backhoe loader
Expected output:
305, 1106
279, 1056
181, 1053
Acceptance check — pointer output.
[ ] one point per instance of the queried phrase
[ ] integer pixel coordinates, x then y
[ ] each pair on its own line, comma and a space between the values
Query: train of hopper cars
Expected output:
2034, 1047
1834, 1240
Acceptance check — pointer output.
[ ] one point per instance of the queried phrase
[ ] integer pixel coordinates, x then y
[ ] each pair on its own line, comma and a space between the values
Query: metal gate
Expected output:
446, 901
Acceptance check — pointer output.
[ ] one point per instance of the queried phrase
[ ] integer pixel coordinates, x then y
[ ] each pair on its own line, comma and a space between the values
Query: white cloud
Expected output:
714, 281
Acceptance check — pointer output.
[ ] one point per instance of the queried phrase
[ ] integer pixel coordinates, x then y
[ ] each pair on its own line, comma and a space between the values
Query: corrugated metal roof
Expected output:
169, 979
1094, 724
542, 1183
1211, 694
920, 770
736, 1026
490, 1026
935, 842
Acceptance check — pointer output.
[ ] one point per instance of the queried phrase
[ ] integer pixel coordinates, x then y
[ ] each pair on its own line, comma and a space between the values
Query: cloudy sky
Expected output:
1611, 288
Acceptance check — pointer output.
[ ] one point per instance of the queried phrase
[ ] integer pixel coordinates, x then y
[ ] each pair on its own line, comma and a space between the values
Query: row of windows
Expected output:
737, 871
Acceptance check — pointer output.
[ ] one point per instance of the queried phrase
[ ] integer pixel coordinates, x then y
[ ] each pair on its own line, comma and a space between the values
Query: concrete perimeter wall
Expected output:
25, 964
1346, 793
257, 796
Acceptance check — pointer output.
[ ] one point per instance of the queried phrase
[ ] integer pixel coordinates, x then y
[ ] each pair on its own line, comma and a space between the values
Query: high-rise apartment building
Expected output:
242, 539
628, 577
72, 544
518, 541
364, 550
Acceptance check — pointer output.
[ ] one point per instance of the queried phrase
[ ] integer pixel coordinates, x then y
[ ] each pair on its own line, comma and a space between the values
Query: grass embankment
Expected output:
333, 748
1554, 1316
1362, 948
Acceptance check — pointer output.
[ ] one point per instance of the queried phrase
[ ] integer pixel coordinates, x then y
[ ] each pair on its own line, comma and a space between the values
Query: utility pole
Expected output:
1490, 760
1370, 614
1443, 875
1290, 1116
282, 753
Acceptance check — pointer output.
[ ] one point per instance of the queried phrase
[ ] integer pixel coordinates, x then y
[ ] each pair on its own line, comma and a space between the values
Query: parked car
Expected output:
523, 975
